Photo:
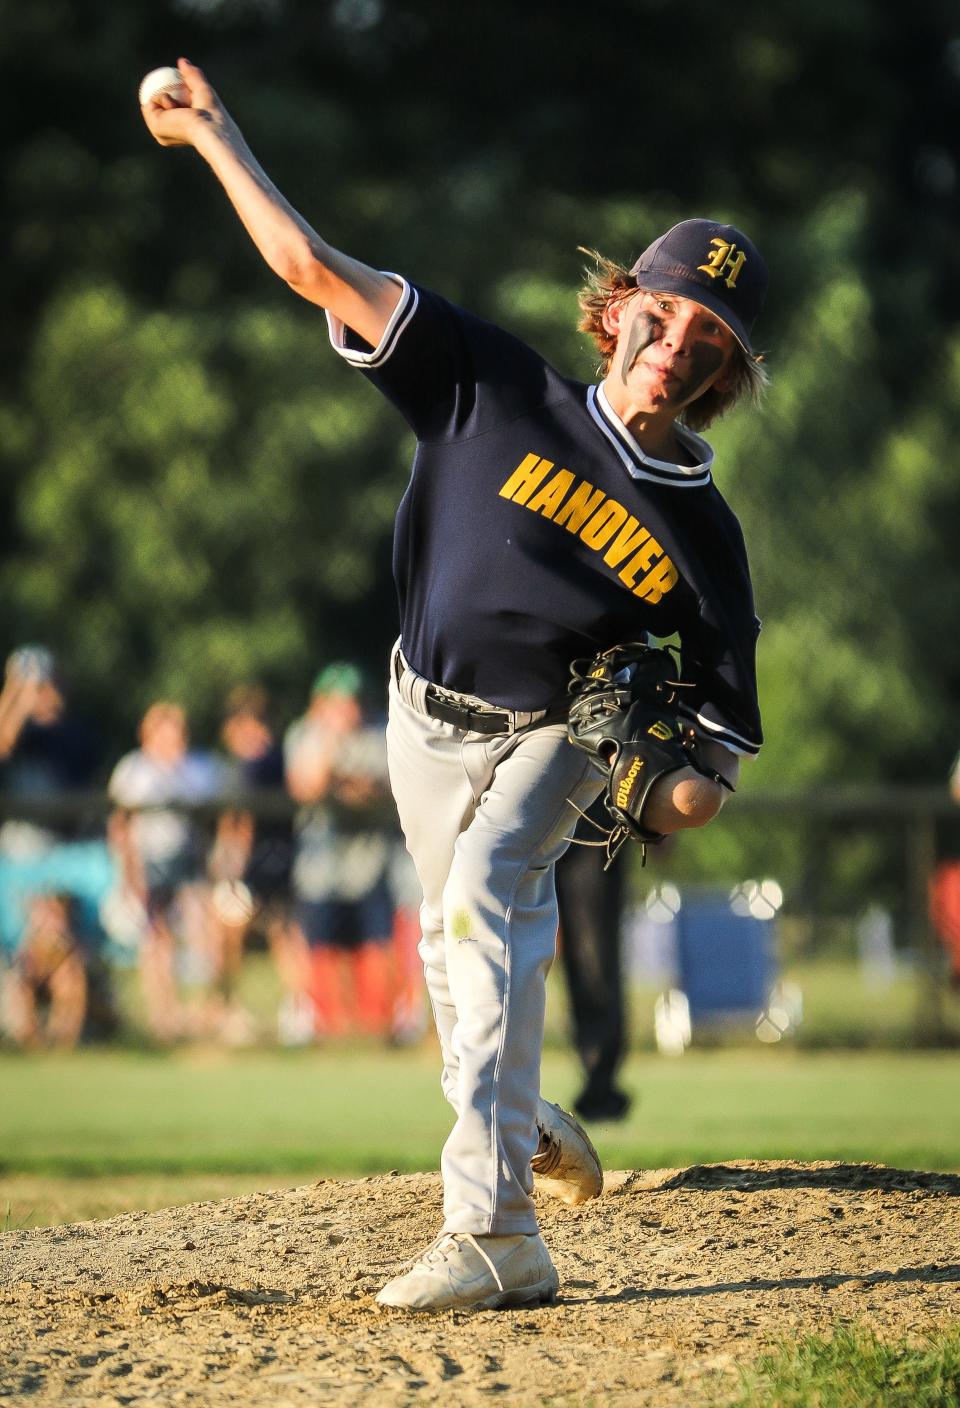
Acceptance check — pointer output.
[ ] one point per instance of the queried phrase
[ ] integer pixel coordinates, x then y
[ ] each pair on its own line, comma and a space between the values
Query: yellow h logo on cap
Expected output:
725, 258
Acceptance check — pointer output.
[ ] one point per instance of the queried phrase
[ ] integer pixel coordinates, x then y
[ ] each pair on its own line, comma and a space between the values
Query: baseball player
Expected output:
544, 520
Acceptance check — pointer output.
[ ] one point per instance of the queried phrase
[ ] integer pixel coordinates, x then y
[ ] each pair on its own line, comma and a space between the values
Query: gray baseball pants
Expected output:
485, 820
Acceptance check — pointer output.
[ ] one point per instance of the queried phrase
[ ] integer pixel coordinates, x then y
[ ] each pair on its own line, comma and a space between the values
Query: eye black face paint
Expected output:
698, 365
706, 359
644, 330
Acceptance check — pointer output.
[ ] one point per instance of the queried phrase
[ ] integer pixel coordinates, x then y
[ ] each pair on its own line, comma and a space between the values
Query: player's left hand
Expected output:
623, 714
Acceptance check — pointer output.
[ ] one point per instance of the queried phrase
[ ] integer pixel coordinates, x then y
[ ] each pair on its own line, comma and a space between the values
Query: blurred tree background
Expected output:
196, 492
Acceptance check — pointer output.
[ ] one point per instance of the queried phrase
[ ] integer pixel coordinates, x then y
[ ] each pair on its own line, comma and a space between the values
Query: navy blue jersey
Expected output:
534, 530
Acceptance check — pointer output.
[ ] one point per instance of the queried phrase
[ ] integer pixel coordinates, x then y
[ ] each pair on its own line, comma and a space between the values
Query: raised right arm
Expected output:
17, 698
358, 295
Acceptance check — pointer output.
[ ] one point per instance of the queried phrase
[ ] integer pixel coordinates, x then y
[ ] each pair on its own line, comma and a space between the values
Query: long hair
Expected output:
609, 281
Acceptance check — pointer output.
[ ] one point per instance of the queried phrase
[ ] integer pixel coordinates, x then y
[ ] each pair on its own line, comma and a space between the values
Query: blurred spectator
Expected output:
945, 895
337, 770
45, 987
590, 901
251, 859
159, 851
945, 913
409, 1018
45, 751
58, 986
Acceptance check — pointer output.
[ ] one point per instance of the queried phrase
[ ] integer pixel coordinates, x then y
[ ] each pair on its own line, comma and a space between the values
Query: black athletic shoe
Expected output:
612, 1104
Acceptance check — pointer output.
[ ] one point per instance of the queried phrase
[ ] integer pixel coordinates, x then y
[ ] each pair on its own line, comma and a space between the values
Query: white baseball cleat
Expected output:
459, 1270
566, 1165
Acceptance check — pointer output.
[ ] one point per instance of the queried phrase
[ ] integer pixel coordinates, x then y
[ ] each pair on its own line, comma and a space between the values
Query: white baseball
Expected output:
164, 80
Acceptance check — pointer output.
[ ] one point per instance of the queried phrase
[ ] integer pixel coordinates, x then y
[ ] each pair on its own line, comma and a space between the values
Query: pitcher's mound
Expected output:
668, 1282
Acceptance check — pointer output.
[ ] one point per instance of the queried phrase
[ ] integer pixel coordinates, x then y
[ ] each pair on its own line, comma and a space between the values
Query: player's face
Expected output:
669, 351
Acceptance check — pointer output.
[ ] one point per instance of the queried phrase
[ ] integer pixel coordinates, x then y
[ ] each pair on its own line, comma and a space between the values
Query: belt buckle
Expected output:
499, 717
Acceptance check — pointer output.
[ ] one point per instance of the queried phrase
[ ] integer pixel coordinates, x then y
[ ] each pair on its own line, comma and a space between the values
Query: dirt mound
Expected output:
668, 1282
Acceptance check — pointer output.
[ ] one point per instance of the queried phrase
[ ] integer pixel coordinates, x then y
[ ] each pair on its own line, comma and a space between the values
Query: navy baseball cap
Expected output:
713, 264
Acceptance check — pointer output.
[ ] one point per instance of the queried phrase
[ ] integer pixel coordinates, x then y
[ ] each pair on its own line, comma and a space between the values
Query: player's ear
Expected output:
613, 313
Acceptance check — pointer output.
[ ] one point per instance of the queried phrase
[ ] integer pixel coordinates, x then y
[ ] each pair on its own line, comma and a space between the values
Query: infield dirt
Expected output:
669, 1282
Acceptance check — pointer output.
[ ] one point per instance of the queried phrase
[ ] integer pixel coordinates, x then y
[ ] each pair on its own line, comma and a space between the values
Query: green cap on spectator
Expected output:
339, 677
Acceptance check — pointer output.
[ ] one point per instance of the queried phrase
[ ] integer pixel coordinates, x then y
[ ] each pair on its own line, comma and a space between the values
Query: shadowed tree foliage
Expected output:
195, 491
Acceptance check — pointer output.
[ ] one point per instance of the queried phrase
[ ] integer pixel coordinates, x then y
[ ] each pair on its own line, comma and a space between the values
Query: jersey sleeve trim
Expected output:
722, 733
399, 319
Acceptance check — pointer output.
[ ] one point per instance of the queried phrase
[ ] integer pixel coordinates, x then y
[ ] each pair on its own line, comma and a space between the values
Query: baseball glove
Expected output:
623, 714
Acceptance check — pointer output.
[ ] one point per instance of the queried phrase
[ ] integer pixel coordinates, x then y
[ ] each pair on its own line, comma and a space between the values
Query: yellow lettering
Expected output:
641, 562
584, 501
625, 785
658, 581
548, 499
629, 537
604, 523
525, 478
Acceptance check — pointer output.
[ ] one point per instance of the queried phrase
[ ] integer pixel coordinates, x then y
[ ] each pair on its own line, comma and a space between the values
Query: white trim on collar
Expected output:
641, 466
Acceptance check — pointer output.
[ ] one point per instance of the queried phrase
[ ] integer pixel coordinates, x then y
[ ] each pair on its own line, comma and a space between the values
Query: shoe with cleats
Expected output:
566, 1165
460, 1271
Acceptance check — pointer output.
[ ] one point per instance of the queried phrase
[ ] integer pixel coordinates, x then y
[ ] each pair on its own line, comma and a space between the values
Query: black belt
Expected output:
440, 705
465, 716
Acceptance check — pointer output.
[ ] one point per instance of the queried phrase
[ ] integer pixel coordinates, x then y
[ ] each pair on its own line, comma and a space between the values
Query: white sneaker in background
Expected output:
296, 1020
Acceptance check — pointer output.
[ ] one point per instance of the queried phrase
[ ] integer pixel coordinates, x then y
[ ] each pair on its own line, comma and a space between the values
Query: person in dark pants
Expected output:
590, 901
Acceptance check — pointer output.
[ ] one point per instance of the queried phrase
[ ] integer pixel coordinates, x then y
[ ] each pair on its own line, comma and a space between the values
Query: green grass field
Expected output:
854, 1369
98, 1131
